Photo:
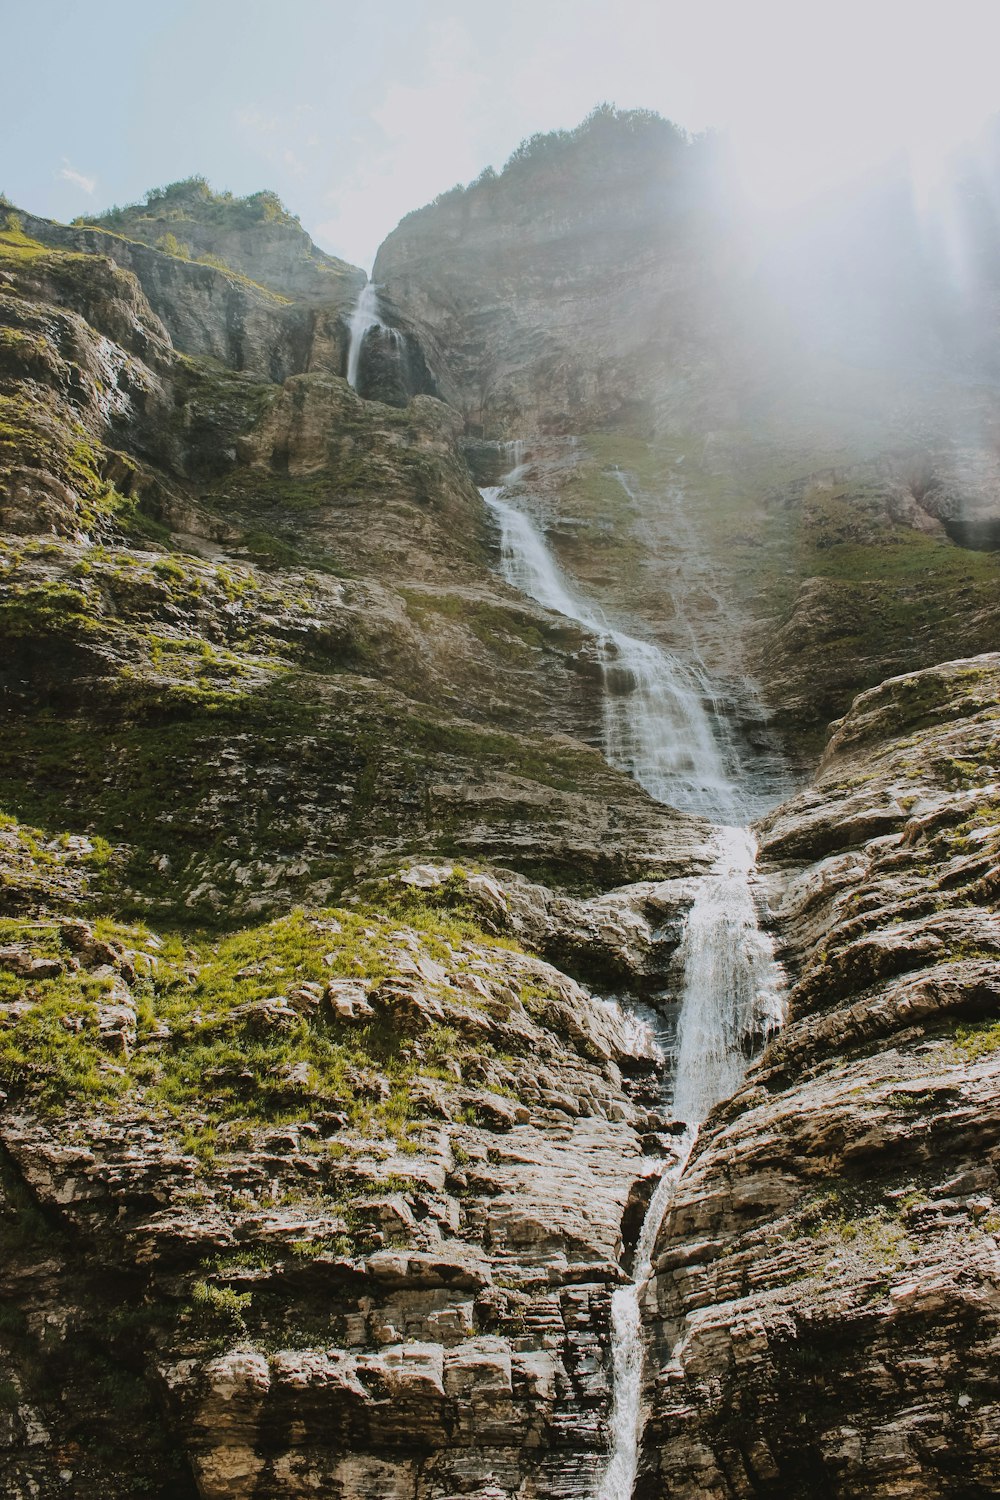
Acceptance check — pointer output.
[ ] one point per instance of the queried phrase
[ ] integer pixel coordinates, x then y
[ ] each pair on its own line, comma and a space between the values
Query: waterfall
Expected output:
732, 999
626, 1341
732, 995
365, 315
655, 723
660, 713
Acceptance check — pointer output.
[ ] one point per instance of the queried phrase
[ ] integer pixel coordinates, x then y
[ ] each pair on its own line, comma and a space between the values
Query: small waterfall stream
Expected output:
364, 316
658, 716
732, 998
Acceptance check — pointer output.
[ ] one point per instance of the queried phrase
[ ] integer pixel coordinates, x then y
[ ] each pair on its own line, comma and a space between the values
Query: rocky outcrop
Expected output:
372, 1241
255, 236
380, 701
772, 412
543, 296
823, 1316
211, 311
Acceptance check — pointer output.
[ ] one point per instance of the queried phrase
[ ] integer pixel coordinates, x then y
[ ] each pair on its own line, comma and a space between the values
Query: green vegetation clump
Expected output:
215, 1042
44, 610
171, 245
193, 197
15, 245
870, 1220
976, 1040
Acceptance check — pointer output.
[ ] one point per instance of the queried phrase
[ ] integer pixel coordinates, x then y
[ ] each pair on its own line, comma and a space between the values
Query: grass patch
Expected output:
204, 1056
976, 1040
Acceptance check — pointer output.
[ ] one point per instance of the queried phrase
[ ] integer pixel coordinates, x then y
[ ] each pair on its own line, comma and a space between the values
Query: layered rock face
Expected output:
192, 672
334, 1200
547, 297
329, 1300
255, 236
829, 447
823, 1314
339, 969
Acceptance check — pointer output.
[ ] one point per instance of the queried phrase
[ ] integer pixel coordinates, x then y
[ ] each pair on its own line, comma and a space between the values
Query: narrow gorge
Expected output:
658, 729
500, 846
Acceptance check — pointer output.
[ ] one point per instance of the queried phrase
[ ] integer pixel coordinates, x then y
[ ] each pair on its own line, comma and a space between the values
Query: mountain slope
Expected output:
339, 969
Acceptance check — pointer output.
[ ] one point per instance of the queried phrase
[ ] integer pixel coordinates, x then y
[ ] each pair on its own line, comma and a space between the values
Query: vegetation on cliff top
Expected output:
639, 136
193, 198
255, 238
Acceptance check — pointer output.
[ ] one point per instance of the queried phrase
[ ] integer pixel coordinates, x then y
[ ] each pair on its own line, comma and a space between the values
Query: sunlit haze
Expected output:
355, 115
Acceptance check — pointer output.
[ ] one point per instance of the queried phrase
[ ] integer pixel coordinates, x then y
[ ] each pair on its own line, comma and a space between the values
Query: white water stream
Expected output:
732, 998
658, 726
655, 723
365, 315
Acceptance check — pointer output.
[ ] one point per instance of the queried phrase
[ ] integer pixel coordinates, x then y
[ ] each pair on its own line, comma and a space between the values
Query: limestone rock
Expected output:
824, 1294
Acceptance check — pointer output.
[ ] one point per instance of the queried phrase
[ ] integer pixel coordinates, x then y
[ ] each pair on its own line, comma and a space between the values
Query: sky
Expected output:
355, 114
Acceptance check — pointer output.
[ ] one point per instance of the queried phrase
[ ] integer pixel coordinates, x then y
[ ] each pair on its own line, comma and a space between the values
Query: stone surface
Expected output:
338, 970
439, 1312
823, 1317
723, 398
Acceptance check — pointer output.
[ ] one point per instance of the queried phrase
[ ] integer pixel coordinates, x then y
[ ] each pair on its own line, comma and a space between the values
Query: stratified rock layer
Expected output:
825, 1313
321, 1181
385, 1274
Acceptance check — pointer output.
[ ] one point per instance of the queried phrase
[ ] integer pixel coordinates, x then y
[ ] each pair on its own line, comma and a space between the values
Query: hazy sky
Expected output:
356, 113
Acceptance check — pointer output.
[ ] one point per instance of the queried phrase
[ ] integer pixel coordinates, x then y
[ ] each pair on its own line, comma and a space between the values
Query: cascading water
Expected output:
364, 316
732, 999
732, 995
658, 726
655, 725
705, 626
626, 1341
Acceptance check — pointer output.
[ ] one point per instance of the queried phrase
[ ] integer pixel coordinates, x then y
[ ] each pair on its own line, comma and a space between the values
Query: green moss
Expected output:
31, 437
445, 915
977, 1040
272, 550
44, 610
203, 1055
36, 434
563, 769
870, 1219
15, 245
503, 630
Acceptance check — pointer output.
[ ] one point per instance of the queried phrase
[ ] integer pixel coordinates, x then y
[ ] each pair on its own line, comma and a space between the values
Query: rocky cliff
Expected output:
339, 968
824, 1305
819, 402
254, 654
